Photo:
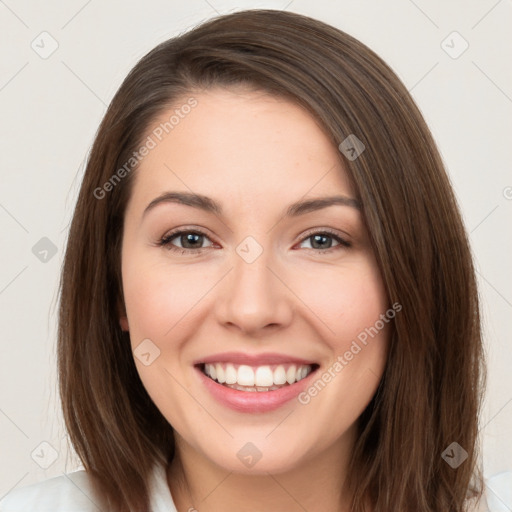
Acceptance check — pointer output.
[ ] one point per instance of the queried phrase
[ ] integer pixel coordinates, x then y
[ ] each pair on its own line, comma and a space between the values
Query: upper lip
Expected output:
266, 358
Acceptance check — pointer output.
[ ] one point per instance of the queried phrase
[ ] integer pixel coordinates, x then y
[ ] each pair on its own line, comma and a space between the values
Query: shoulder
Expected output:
74, 492
499, 492
70, 492
496, 495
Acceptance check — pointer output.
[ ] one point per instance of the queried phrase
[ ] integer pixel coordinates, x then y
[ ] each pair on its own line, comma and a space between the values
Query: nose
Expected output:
254, 298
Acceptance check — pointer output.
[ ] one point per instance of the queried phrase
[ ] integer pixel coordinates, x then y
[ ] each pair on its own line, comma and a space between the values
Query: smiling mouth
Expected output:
256, 378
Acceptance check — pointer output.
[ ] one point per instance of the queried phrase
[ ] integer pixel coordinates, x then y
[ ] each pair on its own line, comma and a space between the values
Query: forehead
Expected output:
240, 145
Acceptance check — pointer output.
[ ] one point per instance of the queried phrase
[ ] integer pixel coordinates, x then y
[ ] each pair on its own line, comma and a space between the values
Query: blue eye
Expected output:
191, 241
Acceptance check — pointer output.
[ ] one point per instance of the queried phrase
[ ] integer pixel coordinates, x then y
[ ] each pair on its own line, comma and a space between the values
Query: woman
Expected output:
268, 299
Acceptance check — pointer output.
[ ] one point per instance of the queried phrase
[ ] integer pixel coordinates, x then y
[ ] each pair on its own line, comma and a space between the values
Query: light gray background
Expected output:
51, 108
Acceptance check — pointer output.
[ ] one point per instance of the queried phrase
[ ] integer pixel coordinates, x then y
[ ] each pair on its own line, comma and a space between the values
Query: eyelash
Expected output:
165, 241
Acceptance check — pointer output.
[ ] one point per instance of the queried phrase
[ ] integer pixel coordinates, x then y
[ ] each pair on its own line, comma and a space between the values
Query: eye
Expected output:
323, 240
190, 241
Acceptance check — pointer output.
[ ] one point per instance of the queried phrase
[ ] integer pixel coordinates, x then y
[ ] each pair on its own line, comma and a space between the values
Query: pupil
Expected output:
191, 237
316, 240
319, 241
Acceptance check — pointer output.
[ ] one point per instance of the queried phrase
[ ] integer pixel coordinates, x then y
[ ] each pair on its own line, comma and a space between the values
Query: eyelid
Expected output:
165, 241
333, 232
185, 230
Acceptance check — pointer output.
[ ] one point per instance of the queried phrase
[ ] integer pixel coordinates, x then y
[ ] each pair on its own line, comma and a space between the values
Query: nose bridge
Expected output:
252, 279
253, 297
251, 266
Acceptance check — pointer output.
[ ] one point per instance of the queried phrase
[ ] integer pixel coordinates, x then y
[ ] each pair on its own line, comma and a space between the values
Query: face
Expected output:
283, 307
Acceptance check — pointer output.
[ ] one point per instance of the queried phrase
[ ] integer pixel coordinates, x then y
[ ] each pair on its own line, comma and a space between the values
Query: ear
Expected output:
123, 322
123, 319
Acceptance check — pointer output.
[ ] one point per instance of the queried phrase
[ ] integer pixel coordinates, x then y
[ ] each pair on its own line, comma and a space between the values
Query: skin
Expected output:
255, 154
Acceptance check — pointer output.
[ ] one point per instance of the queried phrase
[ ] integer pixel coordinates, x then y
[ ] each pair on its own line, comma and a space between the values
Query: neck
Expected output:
316, 483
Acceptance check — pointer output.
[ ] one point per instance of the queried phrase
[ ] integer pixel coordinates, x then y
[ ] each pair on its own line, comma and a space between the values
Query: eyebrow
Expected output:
208, 204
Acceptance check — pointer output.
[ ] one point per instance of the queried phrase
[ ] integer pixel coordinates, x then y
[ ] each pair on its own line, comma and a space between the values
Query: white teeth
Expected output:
221, 375
261, 378
230, 374
264, 376
245, 375
279, 375
290, 374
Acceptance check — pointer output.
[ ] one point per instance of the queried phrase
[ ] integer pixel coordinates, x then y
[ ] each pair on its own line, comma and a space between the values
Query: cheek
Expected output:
160, 307
157, 299
351, 302
345, 299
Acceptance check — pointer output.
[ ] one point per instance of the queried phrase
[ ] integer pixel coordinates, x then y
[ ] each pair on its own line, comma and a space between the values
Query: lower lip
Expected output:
254, 401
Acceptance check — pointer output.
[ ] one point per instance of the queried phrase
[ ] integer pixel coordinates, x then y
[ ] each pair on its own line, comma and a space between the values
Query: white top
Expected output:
72, 492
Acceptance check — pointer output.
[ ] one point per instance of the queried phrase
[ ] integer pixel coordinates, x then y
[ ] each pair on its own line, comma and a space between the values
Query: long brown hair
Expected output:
430, 393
